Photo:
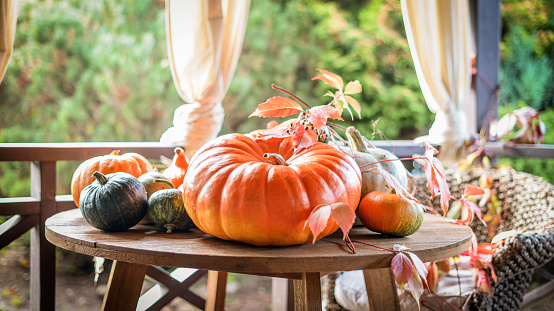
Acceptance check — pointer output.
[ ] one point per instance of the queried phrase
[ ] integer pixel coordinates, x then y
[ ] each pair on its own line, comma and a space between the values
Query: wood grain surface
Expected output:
437, 239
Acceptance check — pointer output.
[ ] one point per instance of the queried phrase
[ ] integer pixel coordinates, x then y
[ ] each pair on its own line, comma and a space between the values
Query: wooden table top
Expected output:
145, 244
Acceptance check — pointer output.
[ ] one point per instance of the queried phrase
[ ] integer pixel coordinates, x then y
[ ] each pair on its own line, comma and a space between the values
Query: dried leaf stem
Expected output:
278, 88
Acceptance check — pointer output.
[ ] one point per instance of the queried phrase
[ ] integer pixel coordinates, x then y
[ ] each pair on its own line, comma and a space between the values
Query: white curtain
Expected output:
204, 41
8, 20
441, 43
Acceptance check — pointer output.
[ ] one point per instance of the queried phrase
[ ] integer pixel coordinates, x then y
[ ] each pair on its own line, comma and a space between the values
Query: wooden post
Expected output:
381, 289
217, 285
43, 253
487, 36
307, 292
124, 286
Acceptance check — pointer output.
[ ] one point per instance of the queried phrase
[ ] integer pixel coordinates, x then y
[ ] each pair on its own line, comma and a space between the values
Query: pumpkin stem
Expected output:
164, 181
356, 140
170, 228
275, 159
101, 178
115, 152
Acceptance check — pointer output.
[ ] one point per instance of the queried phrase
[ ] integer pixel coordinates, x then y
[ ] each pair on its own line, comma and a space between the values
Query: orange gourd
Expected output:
132, 163
386, 213
178, 168
261, 192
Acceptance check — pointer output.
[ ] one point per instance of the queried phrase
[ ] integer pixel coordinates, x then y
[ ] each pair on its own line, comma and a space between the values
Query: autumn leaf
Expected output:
330, 78
482, 282
416, 287
279, 131
302, 137
419, 265
354, 104
472, 208
353, 87
432, 276
436, 178
271, 124
318, 115
471, 190
402, 269
277, 106
317, 221
409, 269
341, 213
344, 216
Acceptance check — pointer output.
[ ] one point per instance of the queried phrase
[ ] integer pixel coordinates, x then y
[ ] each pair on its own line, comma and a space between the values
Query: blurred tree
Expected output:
359, 40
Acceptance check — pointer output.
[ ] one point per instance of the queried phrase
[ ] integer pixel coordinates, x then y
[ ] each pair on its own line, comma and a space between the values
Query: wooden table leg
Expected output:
307, 292
381, 289
124, 286
217, 284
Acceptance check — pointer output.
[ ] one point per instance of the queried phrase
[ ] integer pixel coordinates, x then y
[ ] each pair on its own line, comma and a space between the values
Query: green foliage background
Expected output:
527, 71
98, 71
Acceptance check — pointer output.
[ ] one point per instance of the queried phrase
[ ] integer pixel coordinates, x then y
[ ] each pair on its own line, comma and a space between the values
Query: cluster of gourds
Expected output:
115, 192
245, 188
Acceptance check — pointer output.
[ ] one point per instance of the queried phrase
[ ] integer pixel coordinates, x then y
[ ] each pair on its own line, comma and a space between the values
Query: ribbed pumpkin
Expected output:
363, 155
261, 192
386, 213
132, 163
114, 202
178, 168
166, 209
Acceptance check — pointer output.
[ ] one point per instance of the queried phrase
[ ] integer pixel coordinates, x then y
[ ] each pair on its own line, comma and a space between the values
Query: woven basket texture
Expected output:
528, 207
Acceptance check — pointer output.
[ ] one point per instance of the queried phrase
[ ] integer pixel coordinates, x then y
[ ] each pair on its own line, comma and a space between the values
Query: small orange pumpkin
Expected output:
132, 163
178, 168
386, 213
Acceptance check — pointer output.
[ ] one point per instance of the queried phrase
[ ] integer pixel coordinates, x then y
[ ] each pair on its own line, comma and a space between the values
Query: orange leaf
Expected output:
354, 104
330, 78
277, 106
402, 269
482, 282
344, 216
432, 276
271, 124
436, 178
472, 208
353, 87
318, 219
471, 190
318, 115
278, 131
302, 138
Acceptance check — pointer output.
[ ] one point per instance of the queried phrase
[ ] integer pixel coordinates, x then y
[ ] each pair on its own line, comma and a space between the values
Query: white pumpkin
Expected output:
363, 155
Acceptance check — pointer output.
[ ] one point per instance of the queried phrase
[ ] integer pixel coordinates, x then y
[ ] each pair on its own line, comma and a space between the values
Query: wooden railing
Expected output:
30, 213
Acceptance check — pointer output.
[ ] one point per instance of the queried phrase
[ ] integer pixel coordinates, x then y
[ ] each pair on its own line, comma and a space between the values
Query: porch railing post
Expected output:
43, 253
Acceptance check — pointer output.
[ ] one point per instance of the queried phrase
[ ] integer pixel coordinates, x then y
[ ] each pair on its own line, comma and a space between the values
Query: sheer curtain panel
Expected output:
441, 43
204, 41
8, 20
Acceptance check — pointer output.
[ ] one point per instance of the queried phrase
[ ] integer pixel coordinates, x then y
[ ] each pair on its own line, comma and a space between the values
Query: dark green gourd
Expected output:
113, 202
167, 209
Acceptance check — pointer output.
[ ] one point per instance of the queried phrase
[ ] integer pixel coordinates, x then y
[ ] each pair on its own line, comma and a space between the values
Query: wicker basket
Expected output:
528, 207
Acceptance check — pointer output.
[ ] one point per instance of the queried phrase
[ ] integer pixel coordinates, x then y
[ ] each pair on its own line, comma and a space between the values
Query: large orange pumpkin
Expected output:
132, 163
261, 192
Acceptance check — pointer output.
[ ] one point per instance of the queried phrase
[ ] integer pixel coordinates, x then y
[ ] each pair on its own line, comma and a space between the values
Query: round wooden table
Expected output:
143, 245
